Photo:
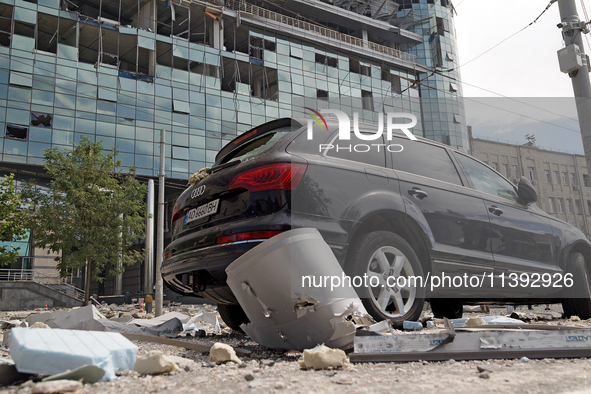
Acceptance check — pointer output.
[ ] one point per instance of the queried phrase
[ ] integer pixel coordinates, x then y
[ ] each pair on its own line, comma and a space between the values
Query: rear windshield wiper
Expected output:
222, 166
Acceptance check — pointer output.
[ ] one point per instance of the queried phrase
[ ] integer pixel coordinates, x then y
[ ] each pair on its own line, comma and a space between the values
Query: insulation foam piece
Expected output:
54, 351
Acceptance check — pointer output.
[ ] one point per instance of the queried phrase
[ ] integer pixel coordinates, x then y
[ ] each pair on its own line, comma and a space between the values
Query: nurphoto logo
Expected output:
345, 130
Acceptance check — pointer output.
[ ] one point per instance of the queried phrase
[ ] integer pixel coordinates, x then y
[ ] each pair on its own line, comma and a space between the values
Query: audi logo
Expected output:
198, 192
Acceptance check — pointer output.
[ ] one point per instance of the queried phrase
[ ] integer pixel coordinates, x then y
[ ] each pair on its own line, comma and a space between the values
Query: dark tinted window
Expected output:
369, 152
486, 180
426, 160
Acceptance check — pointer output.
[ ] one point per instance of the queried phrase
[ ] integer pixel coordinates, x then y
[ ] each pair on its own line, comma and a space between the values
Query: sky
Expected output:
538, 98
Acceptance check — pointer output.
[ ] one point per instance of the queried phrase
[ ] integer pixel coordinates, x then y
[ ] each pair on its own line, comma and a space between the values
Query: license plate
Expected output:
202, 211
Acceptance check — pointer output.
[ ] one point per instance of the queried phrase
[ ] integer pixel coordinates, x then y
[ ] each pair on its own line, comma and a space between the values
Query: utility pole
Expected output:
149, 261
160, 238
573, 61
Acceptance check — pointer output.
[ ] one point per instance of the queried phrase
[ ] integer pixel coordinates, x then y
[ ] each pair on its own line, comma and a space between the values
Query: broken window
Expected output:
180, 22
442, 26
228, 75
88, 48
354, 66
46, 33
109, 47
256, 47
145, 62
196, 67
128, 51
67, 32
24, 29
17, 132
270, 45
198, 25
241, 37
327, 60
364, 69
263, 82
164, 53
321, 94
211, 71
5, 24
164, 12
367, 100
142, 19
40, 119
180, 64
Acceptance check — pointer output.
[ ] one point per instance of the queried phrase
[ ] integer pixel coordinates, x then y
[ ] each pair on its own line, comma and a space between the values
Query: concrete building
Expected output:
119, 71
561, 179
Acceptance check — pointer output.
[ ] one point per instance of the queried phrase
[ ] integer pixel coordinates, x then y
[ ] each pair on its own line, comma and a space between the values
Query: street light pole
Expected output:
160, 238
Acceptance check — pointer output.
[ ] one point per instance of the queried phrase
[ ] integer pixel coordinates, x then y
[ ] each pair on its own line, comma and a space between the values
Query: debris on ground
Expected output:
318, 314
154, 363
50, 352
56, 386
323, 357
221, 353
87, 374
39, 325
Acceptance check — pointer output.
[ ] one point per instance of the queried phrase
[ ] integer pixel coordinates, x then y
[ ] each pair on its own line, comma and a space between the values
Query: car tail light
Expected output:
175, 213
261, 234
279, 176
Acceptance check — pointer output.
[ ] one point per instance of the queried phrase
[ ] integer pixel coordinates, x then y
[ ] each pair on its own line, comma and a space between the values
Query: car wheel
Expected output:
233, 316
378, 256
446, 308
579, 302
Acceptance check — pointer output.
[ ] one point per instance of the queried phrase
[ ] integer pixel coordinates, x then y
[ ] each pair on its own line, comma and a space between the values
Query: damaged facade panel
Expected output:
67, 32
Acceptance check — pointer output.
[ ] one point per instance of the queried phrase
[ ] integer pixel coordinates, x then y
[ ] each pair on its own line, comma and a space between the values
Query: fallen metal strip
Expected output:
470, 355
499, 327
176, 342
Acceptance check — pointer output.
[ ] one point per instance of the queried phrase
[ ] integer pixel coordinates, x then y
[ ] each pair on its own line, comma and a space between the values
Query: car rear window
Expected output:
256, 146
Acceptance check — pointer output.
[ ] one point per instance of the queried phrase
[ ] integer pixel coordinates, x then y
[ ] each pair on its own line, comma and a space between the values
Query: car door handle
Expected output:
495, 210
418, 193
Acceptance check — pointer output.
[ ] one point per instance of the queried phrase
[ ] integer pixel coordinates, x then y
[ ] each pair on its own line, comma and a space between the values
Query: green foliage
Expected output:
11, 219
91, 212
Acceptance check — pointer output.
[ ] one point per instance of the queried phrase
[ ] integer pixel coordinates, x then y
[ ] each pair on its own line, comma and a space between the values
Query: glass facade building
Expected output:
119, 71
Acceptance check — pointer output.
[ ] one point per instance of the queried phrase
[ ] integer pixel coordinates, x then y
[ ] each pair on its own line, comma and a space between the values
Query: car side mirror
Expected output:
526, 192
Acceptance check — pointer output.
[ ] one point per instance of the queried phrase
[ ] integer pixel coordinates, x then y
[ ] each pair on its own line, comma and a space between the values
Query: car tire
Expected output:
233, 316
447, 308
579, 302
382, 254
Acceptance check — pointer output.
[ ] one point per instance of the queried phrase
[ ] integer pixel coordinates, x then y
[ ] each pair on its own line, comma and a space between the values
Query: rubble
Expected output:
221, 353
323, 357
55, 351
154, 363
318, 315
56, 386
87, 374
39, 325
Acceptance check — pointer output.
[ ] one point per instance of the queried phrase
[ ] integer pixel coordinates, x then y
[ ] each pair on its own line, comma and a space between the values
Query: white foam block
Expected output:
54, 351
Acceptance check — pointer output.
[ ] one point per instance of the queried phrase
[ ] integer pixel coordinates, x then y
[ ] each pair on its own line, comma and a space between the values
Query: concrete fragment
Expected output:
183, 363
322, 357
56, 386
39, 325
475, 321
575, 318
154, 363
50, 352
221, 353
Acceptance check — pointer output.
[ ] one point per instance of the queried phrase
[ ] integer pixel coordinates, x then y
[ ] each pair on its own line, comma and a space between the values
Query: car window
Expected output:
424, 159
355, 149
486, 180
256, 146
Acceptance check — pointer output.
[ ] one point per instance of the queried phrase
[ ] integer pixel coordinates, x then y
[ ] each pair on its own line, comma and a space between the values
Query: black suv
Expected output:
387, 208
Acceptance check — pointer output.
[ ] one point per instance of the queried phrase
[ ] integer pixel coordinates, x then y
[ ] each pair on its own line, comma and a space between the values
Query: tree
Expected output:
92, 213
11, 219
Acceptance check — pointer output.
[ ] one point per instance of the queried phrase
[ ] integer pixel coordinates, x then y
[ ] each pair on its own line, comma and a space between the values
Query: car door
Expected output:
453, 216
521, 238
